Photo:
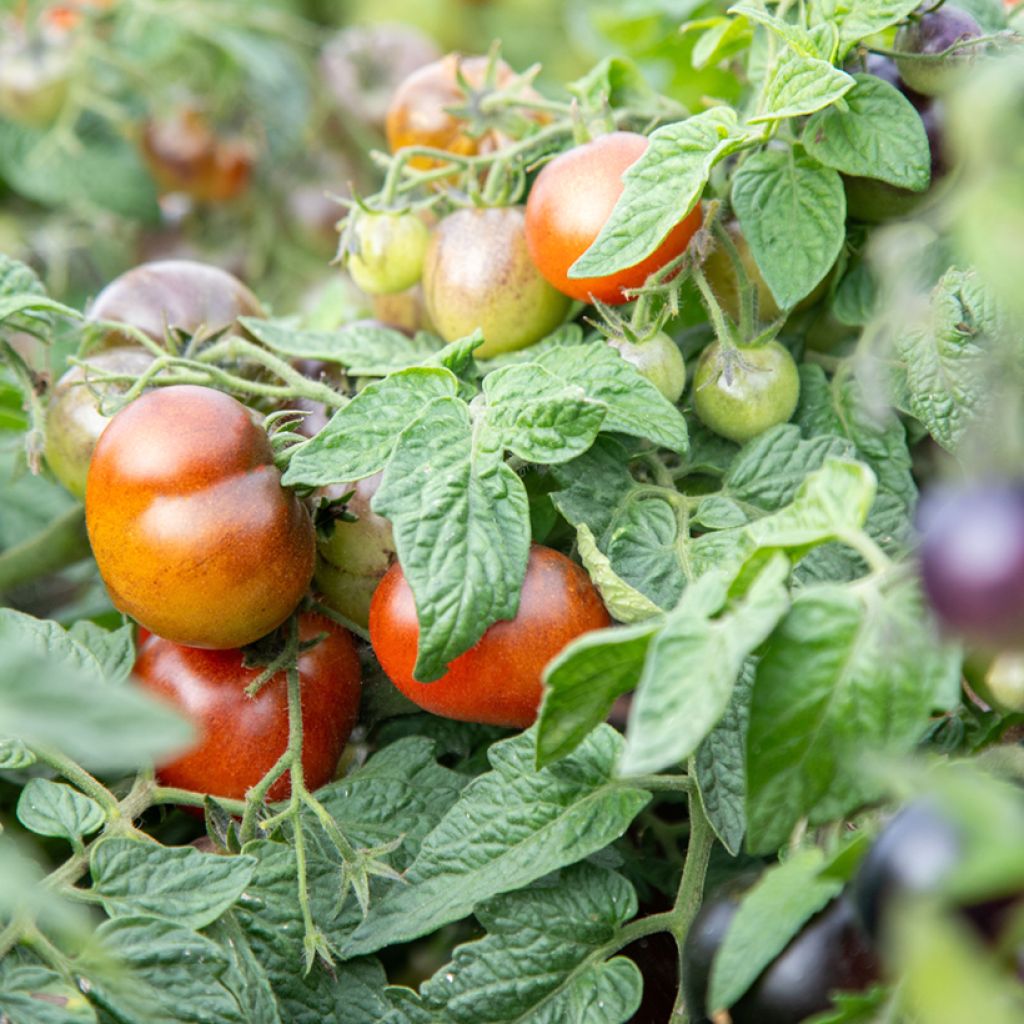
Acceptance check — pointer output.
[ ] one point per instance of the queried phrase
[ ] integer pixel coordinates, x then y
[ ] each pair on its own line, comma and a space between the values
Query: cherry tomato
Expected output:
478, 273
241, 737
388, 250
829, 954
932, 33
419, 114
658, 358
184, 154
174, 294
497, 682
354, 556
1002, 686
739, 393
972, 560
34, 79
73, 418
363, 65
569, 204
193, 534
721, 275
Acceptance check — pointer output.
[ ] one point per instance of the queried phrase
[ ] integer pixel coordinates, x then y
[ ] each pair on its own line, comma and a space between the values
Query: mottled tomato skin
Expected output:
181, 294
193, 534
419, 111
497, 682
569, 204
241, 737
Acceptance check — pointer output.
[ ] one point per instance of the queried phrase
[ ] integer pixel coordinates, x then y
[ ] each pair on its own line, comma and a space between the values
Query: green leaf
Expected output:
55, 809
151, 971
616, 82
856, 297
462, 531
793, 213
727, 36
858, 19
846, 673
594, 486
945, 361
246, 977
510, 827
541, 959
867, 1007
660, 189
583, 682
13, 305
113, 649
800, 85
799, 39
693, 663
721, 766
176, 882
643, 547
878, 135
634, 405
365, 349
53, 691
37, 995
539, 417
783, 900
360, 437
624, 603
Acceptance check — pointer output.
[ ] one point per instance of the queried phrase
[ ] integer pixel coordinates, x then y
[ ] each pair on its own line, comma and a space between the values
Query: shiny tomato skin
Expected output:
181, 294
497, 682
239, 738
570, 203
193, 534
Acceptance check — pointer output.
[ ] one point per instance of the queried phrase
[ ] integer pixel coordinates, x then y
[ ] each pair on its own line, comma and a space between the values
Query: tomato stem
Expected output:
718, 322
78, 776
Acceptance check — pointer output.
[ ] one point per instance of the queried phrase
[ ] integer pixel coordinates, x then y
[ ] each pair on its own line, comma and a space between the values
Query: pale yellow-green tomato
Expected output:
658, 359
389, 251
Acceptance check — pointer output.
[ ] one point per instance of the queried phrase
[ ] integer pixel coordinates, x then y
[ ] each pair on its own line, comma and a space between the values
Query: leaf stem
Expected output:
878, 561
189, 798
78, 776
662, 783
722, 332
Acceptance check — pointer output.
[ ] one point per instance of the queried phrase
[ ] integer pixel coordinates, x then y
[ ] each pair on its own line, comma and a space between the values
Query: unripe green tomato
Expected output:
741, 392
658, 358
389, 251
33, 83
355, 555
1002, 686
478, 274
74, 421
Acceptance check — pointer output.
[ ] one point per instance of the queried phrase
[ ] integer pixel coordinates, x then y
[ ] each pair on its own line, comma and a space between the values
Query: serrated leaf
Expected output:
846, 672
793, 215
634, 405
644, 548
538, 416
179, 883
799, 39
114, 650
246, 977
360, 437
510, 827
858, 19
461, 521
583, 682
878, 135
617, 82
693, 663
800, 85
14, 755
364, 349
721, 40
38, 995
624, 603
660, 189
594, 485
55, 809
784, 898
721, 766
541, 958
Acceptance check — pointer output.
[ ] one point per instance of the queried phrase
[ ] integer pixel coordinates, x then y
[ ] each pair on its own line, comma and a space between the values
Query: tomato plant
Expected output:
740, 393
240, 737
570, 203
497, 682
478, 275
182, 501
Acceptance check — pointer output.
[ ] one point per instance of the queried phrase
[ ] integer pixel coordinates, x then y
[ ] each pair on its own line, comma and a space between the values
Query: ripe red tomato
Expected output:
180, 294
419, 111
240, 737
497, 682
193, 534
570, 203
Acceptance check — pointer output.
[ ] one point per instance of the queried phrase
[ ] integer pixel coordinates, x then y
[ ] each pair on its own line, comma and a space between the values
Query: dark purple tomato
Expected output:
703, 940
915, 851
929, 35
972, 561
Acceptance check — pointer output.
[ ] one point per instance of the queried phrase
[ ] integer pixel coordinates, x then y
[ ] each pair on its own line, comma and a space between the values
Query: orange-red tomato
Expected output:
193, 534
174, 294
419, 111
569, 204
241, 737
497, 682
